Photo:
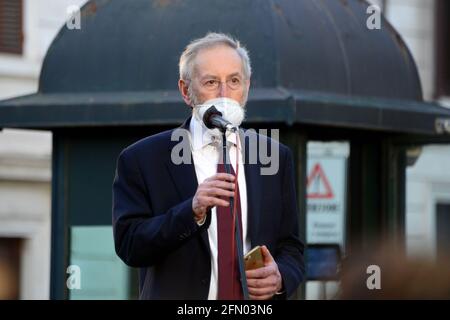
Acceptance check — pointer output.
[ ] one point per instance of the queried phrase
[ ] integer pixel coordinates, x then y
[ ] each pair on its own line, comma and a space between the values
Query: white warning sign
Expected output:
326, 199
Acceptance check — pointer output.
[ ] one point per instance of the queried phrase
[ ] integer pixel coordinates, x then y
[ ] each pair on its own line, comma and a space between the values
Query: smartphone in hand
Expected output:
254, 259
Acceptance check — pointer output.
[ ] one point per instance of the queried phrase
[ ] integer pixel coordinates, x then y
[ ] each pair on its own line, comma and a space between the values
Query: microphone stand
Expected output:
237, 227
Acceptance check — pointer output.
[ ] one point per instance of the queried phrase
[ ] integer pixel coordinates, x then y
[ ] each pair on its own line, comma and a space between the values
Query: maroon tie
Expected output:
229, 278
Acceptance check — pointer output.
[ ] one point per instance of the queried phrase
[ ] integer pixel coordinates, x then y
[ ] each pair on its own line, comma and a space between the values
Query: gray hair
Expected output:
212, 39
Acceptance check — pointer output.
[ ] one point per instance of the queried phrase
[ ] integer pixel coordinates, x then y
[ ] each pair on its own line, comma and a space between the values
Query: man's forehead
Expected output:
218, 60
211, 75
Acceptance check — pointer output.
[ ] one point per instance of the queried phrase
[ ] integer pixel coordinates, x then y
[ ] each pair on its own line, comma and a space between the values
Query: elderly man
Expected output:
173, 221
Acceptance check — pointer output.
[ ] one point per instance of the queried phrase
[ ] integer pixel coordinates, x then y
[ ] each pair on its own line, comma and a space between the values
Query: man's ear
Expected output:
248, 84
183, 87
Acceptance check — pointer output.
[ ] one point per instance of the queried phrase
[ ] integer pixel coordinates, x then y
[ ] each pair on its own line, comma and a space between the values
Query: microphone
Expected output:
213, 119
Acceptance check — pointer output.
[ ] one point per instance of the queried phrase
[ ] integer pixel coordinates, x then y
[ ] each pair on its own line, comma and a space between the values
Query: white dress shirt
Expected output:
205, 153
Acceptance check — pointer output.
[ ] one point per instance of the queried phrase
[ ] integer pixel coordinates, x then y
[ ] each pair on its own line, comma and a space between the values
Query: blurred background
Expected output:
27, 29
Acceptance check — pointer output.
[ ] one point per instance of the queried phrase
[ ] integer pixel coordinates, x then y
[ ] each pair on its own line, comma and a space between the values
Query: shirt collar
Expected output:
201, 136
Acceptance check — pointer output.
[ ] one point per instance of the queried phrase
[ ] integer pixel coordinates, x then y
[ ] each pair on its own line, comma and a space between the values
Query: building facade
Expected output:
25, 155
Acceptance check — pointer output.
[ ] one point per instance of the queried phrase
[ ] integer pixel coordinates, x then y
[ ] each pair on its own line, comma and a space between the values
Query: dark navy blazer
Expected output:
154, 228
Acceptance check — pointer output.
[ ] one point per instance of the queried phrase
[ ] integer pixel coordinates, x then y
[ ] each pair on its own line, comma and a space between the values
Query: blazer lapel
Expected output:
185, 179
253, 182
183, 175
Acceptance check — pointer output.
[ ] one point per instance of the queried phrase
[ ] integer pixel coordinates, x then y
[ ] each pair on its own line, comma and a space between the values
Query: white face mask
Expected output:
230, 109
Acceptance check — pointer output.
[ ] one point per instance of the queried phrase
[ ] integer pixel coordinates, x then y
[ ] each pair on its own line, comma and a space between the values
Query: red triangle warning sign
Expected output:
318, 186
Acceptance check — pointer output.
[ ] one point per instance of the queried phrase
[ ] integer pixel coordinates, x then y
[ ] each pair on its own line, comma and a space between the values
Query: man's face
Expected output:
218, 72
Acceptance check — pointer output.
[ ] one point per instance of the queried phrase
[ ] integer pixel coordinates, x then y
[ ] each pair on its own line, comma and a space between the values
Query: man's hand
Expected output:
264, 282
209, 192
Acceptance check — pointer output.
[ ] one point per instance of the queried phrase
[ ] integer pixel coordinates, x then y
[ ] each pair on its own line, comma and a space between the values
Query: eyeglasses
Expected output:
211, 84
